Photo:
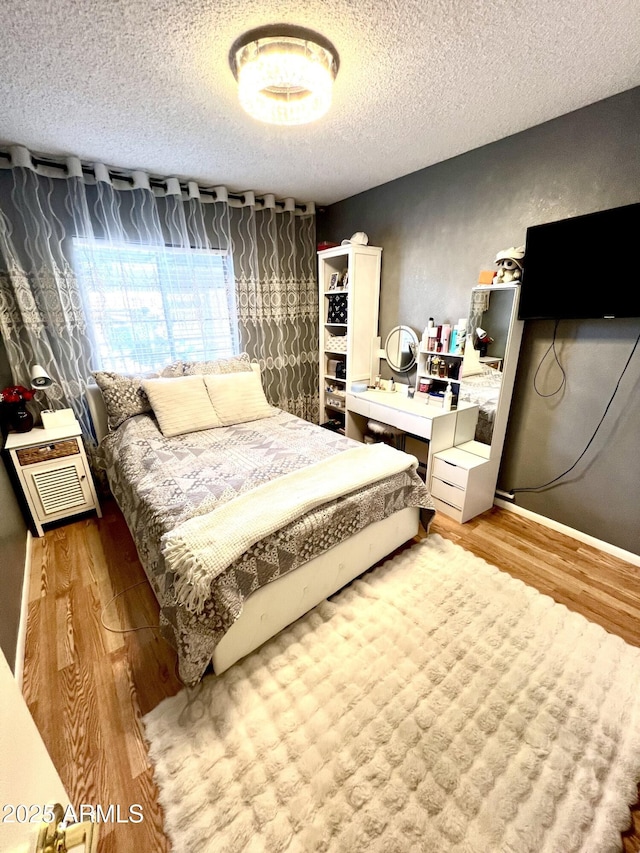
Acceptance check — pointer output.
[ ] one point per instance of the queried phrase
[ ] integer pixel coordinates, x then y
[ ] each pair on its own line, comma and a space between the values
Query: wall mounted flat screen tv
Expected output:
583, 267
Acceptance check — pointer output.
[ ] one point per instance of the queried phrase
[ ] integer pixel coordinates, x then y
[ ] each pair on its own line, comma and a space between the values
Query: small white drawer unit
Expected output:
460, 480
52, 468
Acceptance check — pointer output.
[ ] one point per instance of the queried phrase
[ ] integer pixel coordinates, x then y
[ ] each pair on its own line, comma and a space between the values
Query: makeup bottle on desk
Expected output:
427, 334
448, 398
445, 334
460, 337
432, 340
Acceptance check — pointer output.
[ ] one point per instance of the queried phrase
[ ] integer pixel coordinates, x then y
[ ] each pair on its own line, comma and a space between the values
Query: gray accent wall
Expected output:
13, 541
439, 227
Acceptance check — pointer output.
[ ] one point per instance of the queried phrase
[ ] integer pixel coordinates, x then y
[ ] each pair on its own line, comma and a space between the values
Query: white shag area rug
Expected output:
436, 704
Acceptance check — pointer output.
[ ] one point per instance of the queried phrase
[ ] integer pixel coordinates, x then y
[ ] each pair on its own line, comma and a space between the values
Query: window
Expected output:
147, 306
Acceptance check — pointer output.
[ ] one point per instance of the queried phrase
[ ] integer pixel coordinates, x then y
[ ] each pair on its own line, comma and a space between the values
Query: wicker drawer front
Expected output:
55, 450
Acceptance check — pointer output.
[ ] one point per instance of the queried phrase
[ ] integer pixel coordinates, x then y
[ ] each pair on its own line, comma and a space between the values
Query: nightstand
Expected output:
53, 471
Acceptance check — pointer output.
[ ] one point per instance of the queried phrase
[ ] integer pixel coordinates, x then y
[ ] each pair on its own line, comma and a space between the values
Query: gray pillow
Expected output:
176, 368
233, 364
123, 395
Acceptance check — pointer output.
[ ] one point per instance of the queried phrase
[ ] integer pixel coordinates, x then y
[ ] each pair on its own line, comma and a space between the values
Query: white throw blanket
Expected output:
199, 549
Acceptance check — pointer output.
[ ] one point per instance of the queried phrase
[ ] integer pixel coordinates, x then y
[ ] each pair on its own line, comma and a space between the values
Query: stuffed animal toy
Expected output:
509, 263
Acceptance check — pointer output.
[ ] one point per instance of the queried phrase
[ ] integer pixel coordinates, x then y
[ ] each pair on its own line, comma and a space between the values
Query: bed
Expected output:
483, 389
246, 568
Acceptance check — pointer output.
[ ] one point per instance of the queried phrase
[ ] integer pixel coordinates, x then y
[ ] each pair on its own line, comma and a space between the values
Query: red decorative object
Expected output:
326, 245
16, 394
16, 398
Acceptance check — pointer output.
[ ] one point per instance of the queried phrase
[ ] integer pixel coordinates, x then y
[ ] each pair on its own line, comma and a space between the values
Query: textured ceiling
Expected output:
146, 83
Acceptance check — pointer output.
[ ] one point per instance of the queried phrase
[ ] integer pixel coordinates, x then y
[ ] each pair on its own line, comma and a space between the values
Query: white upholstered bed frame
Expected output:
276, 605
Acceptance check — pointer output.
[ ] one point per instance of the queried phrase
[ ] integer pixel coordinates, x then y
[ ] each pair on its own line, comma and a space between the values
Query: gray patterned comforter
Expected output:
160, 482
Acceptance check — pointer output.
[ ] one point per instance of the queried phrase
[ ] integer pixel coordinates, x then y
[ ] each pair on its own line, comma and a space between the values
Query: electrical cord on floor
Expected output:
125, 630
595, 432
138, 627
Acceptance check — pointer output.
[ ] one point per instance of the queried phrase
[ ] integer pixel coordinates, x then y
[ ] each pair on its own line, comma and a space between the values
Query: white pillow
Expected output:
238, 397
181, 405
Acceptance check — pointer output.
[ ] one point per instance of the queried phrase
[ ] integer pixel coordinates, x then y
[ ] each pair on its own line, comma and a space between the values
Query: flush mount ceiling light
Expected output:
285, 74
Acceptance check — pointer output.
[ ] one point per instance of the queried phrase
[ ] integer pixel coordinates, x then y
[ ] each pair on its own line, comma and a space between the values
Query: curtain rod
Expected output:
159, 183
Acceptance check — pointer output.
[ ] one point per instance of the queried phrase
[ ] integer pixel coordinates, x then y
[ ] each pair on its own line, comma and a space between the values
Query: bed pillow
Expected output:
176, 368
181, 405
238, 397
123, 395
233, 364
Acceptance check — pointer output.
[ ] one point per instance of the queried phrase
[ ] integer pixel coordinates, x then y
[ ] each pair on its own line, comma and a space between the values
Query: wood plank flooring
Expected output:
88, 688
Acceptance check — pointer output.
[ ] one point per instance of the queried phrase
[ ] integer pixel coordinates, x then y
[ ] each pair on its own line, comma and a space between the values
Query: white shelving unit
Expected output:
348, 324
438, 380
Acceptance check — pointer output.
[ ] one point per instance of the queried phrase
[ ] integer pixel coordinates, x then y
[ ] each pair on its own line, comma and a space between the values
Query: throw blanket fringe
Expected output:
199, 549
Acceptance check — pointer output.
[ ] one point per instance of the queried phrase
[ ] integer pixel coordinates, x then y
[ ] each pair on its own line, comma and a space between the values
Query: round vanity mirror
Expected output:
400, 348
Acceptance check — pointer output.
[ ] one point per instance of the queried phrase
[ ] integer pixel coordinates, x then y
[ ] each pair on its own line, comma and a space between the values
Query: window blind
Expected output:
147, 306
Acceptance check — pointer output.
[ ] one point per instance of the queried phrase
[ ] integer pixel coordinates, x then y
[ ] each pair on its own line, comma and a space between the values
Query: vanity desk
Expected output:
459, 451
434, 427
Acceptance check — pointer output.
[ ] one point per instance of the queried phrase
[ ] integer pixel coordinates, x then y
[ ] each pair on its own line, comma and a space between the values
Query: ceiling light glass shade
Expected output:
285, 74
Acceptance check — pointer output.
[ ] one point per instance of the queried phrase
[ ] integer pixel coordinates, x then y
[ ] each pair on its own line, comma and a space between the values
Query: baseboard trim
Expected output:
607, 547
24, 612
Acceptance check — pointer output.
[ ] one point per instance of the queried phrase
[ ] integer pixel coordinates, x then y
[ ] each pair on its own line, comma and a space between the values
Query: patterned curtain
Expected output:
41, 315
274, 256
51, 215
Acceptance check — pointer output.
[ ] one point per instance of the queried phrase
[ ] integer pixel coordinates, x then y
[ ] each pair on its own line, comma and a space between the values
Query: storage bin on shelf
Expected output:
336, 343
337, 310
335, 397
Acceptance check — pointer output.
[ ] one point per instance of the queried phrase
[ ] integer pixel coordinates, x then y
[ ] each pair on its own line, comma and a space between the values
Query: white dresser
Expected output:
463, 480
